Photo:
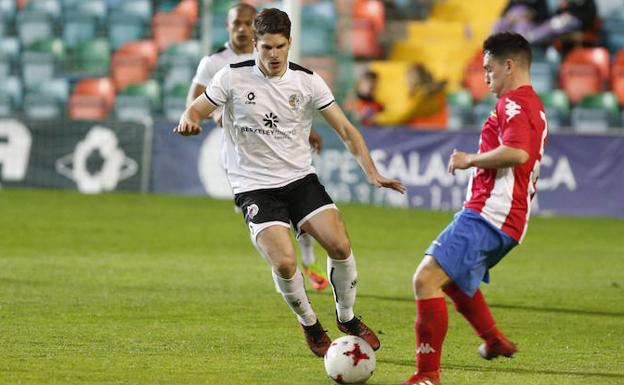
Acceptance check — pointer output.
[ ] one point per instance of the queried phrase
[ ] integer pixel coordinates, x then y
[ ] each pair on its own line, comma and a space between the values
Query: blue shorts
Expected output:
468, 248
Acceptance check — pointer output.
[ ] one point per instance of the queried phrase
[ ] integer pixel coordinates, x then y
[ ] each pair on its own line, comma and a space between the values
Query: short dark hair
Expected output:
272, 20
508, 44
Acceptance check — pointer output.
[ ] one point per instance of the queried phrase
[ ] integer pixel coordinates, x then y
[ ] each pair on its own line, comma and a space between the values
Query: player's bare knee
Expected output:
339, 248
422, 283
286, 268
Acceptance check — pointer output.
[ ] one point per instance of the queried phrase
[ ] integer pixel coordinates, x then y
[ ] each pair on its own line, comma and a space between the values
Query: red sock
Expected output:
431, 326
475, 310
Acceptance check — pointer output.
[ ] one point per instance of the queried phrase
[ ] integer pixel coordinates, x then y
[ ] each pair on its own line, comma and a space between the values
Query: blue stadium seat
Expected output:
9, 55
48, 101
138, 101
33, 25
78, 26
7, 15
557, 108
542, 77
41, 61
483, 109
125, 27
51, 8
174, 101
613, 33
179, 62
10, 96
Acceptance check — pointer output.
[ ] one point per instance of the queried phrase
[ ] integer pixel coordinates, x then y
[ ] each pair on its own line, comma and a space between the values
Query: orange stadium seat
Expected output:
169, 28
92, 99
474, 77
372, 10
598, 56
363, 40
617, 81
188, 8
144, 48
579, 80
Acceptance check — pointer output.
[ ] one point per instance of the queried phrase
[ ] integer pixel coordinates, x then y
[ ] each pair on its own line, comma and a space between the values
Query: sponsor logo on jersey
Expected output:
250, 98
511, 108
271, 120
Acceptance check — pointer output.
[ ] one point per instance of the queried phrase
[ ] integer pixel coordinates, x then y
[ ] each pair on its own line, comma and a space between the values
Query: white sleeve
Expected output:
322, 96
205, 71
218, 90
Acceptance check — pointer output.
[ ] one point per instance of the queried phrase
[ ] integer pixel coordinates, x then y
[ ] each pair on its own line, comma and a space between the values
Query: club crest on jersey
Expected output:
511, 108
294, 101
252, 211
249, 99
271, 120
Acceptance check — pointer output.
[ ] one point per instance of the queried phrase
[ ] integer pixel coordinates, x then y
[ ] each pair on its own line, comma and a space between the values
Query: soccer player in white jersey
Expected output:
268, 108
495, 214
238, 48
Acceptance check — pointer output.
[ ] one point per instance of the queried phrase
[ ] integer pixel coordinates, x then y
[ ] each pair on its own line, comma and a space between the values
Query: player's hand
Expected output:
381, 181
458, 161
316, 141
187, 127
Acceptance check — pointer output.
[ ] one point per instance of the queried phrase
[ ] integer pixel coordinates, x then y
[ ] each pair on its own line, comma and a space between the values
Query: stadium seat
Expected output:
460, 105
372, 10
52, 8
169, 28
174, 101
474, 78
90, 58
125, 27
33, 25
579, 80
598, 56
557, 108
11, 94
41, 61
595, 113
483, 110
542, 77
363, 40
138, 101
179, 62
78, 27
617, 81
189, 9
317, 40
48, 101
7, 14
9, 54
92, 99
133, 62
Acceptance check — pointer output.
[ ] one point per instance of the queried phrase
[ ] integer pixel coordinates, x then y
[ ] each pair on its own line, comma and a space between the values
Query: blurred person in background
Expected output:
238, 48
426, 102
521, 16
268, 106
495, 215
366, 107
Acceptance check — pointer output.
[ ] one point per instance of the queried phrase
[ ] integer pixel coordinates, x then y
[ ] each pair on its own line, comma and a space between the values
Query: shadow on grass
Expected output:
481, 369
601, 313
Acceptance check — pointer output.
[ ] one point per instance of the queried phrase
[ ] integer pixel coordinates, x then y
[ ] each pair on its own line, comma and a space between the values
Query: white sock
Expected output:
343, 279
306, 244
295, 296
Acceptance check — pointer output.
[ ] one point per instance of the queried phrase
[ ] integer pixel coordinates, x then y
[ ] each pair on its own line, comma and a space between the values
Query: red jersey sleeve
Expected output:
515, 123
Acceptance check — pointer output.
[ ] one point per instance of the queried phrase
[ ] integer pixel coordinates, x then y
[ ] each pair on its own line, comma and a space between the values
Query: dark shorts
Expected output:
468, 248
292, 204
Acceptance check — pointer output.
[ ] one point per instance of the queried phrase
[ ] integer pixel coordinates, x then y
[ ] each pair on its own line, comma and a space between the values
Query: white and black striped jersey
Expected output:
267, 122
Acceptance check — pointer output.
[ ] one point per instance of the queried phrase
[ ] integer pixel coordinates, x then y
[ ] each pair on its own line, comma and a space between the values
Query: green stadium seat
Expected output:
33, 25
179, 62
557, 108
89, 58
138, 101
174, 101
41, 61
11, 95
483, 109
48, 101
460, 106
596, 113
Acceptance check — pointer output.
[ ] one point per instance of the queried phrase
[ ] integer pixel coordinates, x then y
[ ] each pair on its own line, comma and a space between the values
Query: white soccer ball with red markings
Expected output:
350, 360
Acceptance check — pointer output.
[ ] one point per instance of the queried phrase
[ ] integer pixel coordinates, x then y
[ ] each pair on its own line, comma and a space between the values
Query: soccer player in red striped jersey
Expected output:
495, 214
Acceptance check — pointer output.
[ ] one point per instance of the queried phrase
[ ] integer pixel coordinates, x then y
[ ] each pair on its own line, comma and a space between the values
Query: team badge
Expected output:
294, 101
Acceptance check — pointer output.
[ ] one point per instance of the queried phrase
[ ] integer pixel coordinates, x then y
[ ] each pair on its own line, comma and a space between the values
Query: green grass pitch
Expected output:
143, 289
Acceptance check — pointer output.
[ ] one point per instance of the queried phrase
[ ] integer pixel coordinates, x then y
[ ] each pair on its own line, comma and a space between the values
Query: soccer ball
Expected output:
350, 360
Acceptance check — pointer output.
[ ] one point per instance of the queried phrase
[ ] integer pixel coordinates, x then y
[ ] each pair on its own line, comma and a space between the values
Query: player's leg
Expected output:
476, 311
431, 320
328, 229
311, 269
275, 244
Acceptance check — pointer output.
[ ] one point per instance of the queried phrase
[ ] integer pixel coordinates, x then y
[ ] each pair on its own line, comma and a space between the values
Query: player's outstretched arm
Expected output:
501, 157
357, 146
191, 119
